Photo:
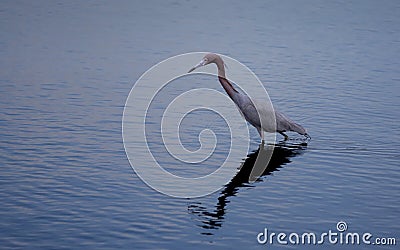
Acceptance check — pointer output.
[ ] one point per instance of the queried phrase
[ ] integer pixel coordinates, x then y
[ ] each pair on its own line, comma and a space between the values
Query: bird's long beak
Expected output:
201, 63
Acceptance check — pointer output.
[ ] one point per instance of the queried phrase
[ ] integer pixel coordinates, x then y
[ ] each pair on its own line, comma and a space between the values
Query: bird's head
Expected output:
207, 59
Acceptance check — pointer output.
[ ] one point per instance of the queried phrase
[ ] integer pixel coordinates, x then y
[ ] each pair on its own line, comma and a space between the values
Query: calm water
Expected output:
67, 69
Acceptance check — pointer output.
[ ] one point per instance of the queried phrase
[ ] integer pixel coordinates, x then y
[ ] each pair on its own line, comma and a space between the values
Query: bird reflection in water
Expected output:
281, 155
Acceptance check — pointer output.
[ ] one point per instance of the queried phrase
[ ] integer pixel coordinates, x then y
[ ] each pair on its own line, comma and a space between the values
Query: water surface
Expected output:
67, 69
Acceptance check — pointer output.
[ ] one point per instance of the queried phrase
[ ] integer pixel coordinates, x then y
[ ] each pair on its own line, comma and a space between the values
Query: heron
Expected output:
257, 112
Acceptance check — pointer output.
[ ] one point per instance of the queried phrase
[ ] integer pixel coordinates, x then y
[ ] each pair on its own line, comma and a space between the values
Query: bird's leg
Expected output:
262, 137
285, 135
261, 132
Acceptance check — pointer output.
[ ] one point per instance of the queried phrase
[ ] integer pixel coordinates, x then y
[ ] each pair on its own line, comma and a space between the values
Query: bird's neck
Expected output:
221, 67
230, 90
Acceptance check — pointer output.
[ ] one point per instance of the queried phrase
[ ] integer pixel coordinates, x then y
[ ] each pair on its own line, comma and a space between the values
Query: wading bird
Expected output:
258, 113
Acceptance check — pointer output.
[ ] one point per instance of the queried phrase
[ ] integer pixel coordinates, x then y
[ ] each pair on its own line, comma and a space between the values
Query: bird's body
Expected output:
257, 112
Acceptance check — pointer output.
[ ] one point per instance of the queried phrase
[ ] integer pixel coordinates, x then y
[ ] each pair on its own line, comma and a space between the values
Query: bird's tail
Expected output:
298, 128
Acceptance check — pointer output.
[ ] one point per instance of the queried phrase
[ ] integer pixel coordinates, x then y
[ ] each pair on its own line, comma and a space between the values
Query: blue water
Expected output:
67, 69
